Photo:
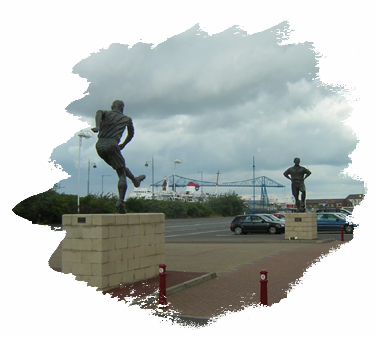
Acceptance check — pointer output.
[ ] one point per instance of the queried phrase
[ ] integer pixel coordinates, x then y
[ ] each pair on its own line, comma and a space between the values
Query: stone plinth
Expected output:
301, 225
106, 250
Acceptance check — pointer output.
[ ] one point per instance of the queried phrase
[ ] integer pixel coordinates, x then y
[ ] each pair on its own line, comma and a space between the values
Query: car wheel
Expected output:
348, 229
238, 231
272, 230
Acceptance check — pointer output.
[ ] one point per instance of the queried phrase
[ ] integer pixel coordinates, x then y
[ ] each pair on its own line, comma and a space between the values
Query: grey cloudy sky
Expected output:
215, 102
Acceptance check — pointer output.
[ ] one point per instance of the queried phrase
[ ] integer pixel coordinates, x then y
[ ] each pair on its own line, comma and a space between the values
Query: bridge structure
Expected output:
262, 182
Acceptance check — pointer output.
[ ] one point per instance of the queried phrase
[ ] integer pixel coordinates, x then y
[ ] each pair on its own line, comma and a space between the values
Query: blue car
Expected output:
328, 221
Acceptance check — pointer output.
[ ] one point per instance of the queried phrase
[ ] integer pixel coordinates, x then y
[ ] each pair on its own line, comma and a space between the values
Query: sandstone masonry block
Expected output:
140, 274
152, 271
108, 249
121, 243
127, 230
133, 263
66, 220
95, 257
106, 244
80, 269
66, 266
71, 256
95, 232
115, 231
157, 218
133, 219
145, 262
122, 219
127, 254
115, 255
121, 266
104, 219
115, 279
133, 241
149, 229
139, 252
83, 244
149, 250
301, 225
72, 231
145, 219
127, 277
101, 282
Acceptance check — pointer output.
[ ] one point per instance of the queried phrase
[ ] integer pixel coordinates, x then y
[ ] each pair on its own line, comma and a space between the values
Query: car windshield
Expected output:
343, 216
266, 218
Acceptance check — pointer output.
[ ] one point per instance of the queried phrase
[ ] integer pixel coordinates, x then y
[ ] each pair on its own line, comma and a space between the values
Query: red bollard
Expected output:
162, 285
264, 287
342, 233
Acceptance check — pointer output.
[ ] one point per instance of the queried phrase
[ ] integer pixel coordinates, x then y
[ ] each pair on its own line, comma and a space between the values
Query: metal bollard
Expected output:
342, 233
162, 285
264, 287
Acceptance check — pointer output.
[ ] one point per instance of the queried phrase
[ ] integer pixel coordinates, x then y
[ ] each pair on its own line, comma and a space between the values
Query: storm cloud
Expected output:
215, 101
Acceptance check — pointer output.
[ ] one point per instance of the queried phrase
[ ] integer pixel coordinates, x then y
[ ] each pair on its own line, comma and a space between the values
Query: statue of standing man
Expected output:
110, 126
297, 175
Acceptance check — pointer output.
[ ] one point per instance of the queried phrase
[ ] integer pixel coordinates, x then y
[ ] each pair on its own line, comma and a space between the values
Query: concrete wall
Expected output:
301, 225
106, 250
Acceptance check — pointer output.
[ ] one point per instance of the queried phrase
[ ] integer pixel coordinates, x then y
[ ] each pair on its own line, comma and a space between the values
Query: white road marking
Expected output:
193, 225
195, 233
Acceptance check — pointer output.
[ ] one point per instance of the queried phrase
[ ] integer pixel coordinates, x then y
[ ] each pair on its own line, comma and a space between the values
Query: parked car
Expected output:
329, 221
338, 210
255, 223
280, 216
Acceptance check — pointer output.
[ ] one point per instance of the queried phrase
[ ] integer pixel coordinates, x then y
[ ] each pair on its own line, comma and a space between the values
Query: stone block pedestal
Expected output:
301, 225
107, 250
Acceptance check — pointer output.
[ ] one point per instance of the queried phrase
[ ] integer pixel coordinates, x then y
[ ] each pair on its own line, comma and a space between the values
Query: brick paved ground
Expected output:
241, 287
238, 267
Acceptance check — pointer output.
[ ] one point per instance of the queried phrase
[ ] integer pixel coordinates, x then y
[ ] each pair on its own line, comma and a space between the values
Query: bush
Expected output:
98, 204
46, 208
226, 204
49, 206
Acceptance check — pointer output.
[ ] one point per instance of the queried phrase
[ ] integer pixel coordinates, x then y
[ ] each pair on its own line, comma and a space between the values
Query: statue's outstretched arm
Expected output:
98, 118
130, 135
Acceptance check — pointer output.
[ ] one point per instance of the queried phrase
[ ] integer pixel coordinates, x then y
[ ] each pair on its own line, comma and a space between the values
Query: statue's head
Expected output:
117, 105
297, 161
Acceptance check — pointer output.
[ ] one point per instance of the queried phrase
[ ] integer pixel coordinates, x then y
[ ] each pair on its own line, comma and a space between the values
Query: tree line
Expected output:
49, 206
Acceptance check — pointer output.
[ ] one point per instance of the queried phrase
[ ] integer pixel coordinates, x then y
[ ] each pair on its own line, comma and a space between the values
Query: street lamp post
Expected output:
102, 184
201, 182
89, 167
174, 174
152, 165
81, 134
